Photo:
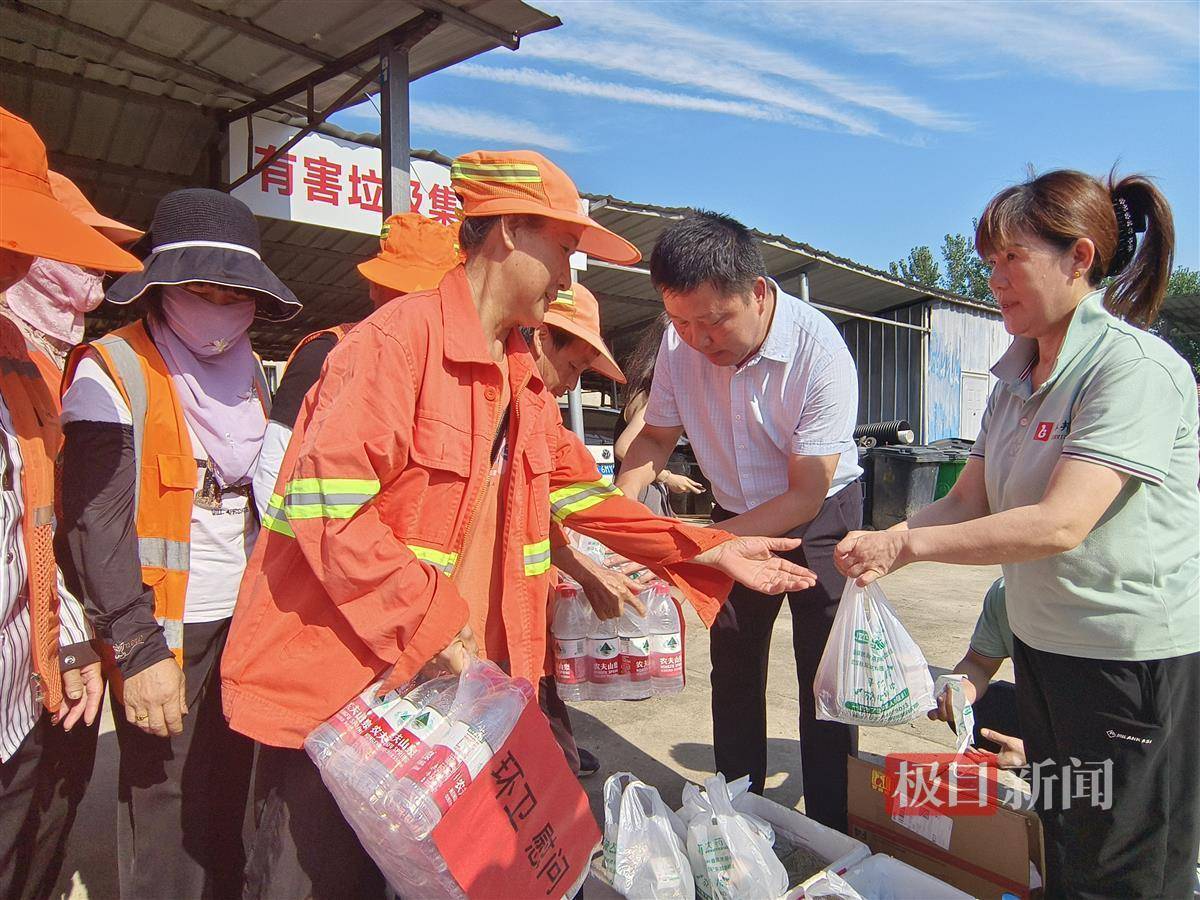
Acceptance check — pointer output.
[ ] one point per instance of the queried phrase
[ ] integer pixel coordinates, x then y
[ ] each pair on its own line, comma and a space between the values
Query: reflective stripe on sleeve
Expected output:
439, 559
327, 498
275, 518
577, 497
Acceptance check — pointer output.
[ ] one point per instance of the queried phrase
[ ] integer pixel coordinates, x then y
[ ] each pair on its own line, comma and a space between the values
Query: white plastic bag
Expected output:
696, 803
650, 859
614, 788
730, 857
872, 672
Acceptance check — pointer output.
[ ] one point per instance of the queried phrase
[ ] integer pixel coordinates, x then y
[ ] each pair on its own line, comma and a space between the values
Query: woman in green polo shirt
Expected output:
1083, 485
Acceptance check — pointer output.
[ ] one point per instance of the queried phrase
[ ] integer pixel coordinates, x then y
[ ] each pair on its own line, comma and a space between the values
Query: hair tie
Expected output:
1127, 232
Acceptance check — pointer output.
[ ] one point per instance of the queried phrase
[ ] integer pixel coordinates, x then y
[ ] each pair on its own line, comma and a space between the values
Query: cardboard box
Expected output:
984, 855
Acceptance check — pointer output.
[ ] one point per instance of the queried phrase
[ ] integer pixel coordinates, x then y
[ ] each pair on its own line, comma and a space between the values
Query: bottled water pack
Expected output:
396, 764
629, 658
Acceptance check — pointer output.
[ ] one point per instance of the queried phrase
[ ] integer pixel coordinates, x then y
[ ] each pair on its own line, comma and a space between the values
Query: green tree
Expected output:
966, 274
1183, 281
919, 267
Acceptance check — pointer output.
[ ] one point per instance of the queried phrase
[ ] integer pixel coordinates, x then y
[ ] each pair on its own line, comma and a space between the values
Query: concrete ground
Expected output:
665, 742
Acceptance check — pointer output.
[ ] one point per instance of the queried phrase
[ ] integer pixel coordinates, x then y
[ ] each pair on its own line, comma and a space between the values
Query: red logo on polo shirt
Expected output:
1043, 431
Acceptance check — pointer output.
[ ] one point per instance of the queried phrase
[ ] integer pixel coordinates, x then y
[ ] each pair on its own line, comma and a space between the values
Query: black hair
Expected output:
706, 248
560, 339
639, 365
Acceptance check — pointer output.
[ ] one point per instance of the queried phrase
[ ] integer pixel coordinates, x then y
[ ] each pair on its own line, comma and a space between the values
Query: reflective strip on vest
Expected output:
161, 553
439, 559
173, 632
275, 518
537, 558
327, 498
129, 371
513, 173
577, 497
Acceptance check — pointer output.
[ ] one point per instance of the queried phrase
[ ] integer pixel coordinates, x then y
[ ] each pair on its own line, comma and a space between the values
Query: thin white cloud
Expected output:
439, 118
566, 83
652, 36
1141, 45
682, 67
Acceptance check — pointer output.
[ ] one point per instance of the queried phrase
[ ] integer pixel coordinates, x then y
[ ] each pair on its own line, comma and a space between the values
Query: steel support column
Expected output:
394, 126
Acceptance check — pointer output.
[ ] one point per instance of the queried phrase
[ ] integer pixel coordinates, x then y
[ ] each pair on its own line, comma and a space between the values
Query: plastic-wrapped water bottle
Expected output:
457, 756
666, 640
634, 666
572, 616
604, 663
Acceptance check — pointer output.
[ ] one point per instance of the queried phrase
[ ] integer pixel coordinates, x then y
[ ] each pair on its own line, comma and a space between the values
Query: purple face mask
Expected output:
212, 365
205, 328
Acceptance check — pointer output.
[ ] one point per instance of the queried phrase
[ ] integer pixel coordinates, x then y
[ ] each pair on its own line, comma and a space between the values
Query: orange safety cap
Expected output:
69, 195
32, 221
521, 182
577, 312
414, 253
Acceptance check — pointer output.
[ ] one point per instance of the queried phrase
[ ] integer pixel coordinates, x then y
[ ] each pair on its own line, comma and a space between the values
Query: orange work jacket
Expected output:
29, 383
354, 570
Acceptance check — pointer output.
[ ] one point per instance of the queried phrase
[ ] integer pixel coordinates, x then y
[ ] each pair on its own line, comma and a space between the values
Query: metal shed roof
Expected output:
131, 97
221, 54
629, 300
1181, 314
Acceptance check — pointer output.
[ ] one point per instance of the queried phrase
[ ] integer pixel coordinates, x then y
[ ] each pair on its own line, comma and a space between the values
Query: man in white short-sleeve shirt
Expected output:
767, 392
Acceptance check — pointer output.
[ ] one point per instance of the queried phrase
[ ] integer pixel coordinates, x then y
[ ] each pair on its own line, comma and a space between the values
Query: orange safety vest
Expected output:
164, 492
29, 381
337, 332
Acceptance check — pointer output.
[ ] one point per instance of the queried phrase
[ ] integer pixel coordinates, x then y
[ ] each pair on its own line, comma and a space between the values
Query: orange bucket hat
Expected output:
69, 195
32, 221
414, 253
521, 182
577, 312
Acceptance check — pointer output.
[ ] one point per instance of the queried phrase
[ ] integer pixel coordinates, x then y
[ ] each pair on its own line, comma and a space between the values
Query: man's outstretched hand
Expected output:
752, 562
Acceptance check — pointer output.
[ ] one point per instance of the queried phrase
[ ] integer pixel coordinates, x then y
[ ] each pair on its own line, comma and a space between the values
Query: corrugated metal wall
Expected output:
961, 339
889, 360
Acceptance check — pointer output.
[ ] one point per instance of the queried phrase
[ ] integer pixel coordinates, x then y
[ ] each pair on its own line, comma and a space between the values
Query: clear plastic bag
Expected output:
872, 672
832, 886
730, 857
649, 857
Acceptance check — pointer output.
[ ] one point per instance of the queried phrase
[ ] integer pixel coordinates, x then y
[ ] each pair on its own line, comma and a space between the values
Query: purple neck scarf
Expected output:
207, 352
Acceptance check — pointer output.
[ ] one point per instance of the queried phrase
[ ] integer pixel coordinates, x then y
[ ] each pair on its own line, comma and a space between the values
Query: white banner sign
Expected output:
324, 180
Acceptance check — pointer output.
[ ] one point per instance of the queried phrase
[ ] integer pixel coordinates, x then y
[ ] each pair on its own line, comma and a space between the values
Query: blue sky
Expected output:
863, 128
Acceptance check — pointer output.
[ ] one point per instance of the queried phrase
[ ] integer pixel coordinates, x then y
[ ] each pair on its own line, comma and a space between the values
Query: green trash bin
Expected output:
948, 473
957, 452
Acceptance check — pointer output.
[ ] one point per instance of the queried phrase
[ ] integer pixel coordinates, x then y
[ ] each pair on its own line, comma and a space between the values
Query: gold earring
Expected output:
1077, 274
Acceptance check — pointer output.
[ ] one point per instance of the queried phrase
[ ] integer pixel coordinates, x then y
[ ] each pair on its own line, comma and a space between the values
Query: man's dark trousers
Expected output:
741, 643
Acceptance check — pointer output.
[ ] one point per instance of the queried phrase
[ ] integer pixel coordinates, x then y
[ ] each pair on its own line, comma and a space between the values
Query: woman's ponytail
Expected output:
1139, 270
